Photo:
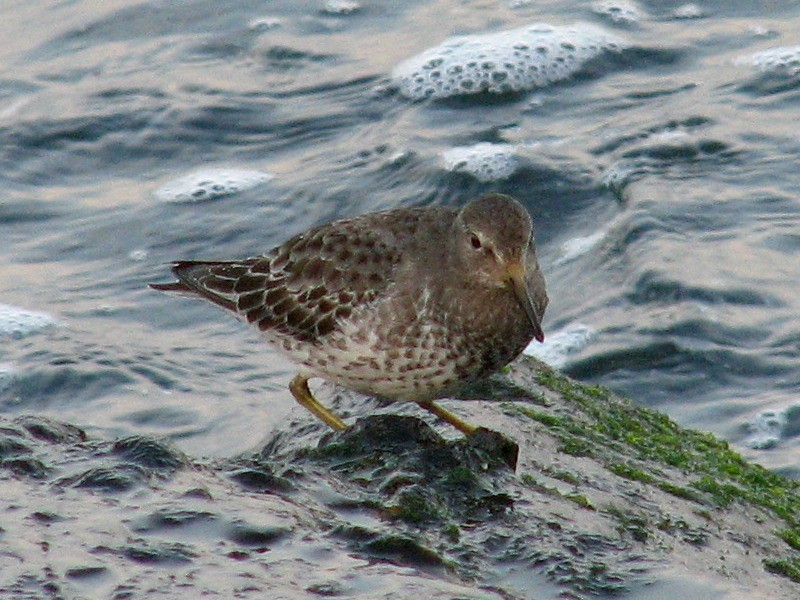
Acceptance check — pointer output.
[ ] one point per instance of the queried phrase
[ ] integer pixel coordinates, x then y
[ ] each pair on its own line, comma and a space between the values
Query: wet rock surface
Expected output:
606, 500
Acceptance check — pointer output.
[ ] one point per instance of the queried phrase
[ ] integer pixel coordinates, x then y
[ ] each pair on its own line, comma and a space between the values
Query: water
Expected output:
662, 181
674, 162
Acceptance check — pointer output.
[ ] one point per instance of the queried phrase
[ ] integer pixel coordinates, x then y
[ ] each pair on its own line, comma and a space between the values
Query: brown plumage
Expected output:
407, 304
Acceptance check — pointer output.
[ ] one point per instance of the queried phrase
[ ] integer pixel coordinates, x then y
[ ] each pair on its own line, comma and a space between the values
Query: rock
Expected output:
608, 498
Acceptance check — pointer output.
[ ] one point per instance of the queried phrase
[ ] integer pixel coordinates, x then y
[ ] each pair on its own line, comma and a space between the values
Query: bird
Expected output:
407, 304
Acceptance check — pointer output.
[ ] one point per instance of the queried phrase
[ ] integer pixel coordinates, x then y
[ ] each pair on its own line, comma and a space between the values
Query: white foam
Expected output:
507, 61
557, 347
618, 12
340, 7
688, 11
205, 184
762, 31
139, 254
19, 323
765, 429
782, 61
264, 23
484, 161
618, 175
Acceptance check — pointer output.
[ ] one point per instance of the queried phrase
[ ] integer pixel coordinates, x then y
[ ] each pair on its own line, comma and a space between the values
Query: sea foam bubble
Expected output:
618, 12
781, 61
209, 183
19, 323
507, 61
688, 11
766, 429
340, 7
484, 161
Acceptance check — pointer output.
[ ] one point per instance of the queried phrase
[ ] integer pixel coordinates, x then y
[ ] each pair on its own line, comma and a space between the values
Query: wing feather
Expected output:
306, 286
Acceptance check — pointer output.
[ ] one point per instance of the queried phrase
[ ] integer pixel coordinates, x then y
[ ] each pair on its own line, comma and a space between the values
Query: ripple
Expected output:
580, 246
7, 374
36, 388
652, 287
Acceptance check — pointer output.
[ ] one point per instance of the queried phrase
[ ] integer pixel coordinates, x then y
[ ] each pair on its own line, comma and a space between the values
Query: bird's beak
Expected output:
516, 276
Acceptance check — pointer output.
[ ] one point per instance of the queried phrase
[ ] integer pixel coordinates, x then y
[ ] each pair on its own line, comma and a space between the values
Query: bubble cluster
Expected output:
618, 11
617, 177
688, 11
19, 323
766, 429
340, 7
484, 161
138, 255
264, 23
508, 61
782, 61
206, 184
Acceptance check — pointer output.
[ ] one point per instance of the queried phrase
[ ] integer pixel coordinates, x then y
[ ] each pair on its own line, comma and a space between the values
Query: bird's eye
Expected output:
475, 241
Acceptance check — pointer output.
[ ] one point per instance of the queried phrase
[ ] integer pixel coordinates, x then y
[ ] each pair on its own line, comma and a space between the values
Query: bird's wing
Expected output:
306, 286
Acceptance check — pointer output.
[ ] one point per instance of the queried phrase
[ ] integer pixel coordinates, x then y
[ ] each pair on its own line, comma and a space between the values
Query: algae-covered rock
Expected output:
607, 499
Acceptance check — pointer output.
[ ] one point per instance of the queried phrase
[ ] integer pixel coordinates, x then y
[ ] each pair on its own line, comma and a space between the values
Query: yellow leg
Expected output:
446, 415
301, 393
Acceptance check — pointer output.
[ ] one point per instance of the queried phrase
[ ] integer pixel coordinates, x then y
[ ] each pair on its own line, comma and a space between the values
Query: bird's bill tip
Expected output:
516, 275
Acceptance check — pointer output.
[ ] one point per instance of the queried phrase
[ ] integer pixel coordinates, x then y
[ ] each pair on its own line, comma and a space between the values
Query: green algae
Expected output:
635, 525
564, 476
679, 491
405, 549
790, 536
789, 568
631, 442
411, 506
579, 499
460, 476
628, 471
626, 482
606, 497
696, 536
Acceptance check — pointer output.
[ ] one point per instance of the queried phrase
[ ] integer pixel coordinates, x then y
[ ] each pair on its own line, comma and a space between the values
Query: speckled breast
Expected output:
413, 349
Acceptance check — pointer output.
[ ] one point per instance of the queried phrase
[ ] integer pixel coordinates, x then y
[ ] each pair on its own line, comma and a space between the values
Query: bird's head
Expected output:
496, 248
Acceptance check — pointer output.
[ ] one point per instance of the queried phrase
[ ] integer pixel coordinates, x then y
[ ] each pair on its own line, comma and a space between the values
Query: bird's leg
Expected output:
301, 393
446, 415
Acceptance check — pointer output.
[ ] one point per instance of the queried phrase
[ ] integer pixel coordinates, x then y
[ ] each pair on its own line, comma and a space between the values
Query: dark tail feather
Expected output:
184, 286
174, 286
191, 276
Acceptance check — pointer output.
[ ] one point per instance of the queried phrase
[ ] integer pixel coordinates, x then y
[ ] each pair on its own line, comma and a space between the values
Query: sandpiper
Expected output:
408, 304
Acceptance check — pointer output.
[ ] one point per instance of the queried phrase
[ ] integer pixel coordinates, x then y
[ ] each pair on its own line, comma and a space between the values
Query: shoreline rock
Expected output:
608, 499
